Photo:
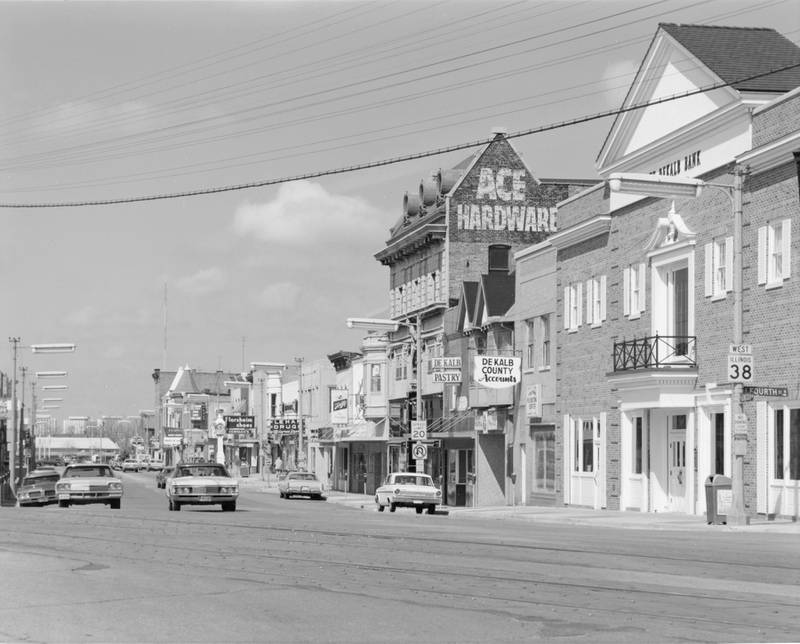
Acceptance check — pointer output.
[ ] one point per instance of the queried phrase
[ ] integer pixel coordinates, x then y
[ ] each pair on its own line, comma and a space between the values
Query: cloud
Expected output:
203, 282
280, 296
304, 213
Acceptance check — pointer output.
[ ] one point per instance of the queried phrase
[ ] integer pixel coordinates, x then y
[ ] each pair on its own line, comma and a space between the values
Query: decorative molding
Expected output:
771, 155
581, 232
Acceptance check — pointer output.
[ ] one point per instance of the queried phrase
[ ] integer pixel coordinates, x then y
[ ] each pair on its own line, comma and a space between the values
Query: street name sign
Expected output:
766, 391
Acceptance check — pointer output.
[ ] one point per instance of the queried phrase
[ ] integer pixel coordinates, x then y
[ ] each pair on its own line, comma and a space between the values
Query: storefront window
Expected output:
544, 460
584, 446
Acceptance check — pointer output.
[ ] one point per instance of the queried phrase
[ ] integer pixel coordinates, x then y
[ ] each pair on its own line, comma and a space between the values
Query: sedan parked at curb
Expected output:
38, 487
408, 489
85, 483
300, 484
202, 484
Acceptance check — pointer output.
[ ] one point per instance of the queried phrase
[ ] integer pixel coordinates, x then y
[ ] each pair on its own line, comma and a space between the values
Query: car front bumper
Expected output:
203, 499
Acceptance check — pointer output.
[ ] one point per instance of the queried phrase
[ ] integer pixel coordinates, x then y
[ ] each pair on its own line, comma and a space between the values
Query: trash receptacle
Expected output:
718, 499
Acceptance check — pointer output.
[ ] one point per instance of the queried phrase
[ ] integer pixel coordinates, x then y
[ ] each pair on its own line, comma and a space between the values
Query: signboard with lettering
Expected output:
447, 363
500, 200
765, 391
496, 372
172, 436
446, 376
286, 425
740, 363
533, 401
240, 422
339, 406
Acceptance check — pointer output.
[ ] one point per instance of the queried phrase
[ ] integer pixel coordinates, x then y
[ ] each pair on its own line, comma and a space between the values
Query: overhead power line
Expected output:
399, 159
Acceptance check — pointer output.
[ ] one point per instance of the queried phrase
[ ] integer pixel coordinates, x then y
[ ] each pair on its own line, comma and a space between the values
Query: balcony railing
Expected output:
659, 351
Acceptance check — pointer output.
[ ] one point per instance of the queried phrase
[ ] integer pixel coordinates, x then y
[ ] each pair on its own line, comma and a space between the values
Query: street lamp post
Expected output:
15, 435
659, 186
300, 449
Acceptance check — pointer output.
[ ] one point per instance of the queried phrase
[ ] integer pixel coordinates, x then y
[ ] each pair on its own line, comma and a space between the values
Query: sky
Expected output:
114, 101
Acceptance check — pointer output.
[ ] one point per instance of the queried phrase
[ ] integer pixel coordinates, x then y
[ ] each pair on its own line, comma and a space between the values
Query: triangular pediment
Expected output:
669, 231
668, 69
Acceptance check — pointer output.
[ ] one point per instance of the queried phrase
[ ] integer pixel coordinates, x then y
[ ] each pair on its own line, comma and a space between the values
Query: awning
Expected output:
365, 431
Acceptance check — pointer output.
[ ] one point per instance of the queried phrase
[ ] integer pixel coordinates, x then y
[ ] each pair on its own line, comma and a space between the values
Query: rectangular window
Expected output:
544, 460
779, 444
719, 444
719, 267
572, 306
498, 258
588, 446
633, 290
638, 437
596, 300
544, 340
774, 252
530, 338
375, 378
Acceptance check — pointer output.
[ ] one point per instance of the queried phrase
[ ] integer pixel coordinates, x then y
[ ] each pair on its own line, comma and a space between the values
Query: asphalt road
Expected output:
302, 570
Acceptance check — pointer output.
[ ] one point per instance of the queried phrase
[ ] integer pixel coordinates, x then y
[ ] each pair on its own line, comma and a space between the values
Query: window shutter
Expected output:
763, 474
709, 270
786, 239
566, 427
626, 291
642, 282
566, 307
602, 298
762, 255
579, 297
728, 264
589, 308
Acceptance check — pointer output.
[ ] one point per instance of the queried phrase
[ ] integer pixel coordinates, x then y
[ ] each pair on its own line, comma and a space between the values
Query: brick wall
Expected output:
777, 120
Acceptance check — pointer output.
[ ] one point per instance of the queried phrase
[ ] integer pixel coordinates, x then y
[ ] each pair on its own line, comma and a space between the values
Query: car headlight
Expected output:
62, 487
397, 491
114, 486
438, 493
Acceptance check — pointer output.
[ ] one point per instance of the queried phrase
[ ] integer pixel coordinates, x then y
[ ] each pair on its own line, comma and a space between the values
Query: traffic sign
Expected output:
419, 430
420, 451
740, 363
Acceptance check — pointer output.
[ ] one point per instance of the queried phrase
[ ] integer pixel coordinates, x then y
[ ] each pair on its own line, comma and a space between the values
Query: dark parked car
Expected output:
38, 487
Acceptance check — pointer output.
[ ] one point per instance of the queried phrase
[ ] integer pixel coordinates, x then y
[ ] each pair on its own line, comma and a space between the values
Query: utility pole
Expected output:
32, 457
12, 436
301, 429
21, 433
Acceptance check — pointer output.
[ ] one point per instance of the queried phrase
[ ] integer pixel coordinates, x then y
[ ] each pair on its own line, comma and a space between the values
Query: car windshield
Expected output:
73, 472
35, 480
303, 476
202, 470
412, 480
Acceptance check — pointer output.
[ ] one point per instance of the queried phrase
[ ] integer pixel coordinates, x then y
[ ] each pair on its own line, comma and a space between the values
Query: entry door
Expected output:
677, 466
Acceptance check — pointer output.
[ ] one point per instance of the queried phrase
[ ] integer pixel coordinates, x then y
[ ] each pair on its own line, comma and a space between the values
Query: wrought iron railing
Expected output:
655, 351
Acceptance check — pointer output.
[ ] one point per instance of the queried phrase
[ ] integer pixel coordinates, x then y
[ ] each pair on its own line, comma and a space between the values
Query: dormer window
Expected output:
499, 257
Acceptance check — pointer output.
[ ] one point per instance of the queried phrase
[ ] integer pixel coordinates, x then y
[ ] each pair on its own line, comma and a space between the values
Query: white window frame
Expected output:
581, 426
596, 301
530, 343
544, 342
573, 309
774, 253
719, 268
633, 290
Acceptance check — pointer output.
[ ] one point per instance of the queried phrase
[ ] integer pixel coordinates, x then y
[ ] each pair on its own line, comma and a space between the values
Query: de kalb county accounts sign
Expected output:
496, 372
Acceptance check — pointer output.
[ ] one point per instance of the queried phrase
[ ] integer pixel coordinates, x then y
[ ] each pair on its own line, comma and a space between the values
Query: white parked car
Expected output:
410, 490
202, 484
300, 484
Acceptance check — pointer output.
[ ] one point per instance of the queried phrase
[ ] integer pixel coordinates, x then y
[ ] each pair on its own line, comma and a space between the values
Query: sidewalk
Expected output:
562, 515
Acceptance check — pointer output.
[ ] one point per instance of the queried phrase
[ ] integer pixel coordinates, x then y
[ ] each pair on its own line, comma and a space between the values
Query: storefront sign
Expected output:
339, 406
496, 372
533, 401
240, 422
287, 425
446, 376
446, 364
172, 436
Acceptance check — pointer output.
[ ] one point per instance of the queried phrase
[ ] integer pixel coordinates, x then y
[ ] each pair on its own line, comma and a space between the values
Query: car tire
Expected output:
431, 509
115, 505
392, 507
63, 504
381, 507
419, 509
176, 505
229, 506
280, 494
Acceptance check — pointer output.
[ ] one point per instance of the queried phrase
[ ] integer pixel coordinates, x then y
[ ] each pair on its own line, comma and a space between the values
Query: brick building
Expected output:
450, 256
646, 294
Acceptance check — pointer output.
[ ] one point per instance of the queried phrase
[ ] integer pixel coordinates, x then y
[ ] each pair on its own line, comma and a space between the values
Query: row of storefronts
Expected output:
581, 342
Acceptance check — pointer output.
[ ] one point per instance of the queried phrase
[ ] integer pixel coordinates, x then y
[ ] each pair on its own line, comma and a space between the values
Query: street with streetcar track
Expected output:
305, 570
